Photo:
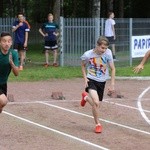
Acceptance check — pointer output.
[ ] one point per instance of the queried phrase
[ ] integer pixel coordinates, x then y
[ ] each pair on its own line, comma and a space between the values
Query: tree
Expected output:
96, 8
37, 10
56, 10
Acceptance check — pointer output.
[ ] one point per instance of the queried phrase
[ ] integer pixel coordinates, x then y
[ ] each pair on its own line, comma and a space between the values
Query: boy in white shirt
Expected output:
110, 31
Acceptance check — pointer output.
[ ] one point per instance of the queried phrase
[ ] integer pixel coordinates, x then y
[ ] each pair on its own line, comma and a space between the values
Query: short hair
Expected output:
50, 14
5, 34
109, 13
103, 40
20, 13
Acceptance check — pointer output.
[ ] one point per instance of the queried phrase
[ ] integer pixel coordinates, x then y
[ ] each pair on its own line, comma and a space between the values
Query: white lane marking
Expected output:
140, 105
106, 101
78, 113
122, 105
56, 131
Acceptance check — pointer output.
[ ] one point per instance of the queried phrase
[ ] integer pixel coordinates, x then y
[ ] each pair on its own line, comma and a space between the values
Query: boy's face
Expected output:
112, 15
5, 42
50, 18
21, 18
101, 48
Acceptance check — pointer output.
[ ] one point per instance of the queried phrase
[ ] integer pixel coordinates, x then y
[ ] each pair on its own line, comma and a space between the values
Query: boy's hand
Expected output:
111, 88
20, 24
138, 68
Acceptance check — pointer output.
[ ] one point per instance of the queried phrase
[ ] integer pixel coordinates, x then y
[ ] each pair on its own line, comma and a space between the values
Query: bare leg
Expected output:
22, 57
3, 101
113, 50
95, 103
47, 56
55, 56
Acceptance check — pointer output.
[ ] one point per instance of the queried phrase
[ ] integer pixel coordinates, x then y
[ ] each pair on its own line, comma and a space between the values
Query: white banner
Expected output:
140, 45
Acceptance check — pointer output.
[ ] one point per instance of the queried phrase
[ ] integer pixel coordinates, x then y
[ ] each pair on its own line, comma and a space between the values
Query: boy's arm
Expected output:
26, 39
83, 68
41, 32
15, 28
141, 65
14, 68
113, 72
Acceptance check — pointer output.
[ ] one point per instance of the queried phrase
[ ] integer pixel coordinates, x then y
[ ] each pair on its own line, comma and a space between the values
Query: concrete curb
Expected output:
132, 78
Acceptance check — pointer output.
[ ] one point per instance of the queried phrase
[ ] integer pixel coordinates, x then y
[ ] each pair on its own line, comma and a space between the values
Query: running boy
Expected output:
8, 62
95, 76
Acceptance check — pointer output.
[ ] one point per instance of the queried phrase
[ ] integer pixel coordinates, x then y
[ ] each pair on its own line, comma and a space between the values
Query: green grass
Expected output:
39, 73
128, 71
34, 71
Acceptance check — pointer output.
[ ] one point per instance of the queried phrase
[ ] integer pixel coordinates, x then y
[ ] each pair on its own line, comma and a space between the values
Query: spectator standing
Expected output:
21, 30
110, 32
49, 31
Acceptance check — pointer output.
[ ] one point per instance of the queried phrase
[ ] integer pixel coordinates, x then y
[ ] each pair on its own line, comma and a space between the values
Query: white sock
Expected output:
85, 98
98, 124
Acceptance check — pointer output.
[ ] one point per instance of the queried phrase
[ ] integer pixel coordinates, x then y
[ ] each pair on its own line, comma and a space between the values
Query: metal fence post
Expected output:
61, 41
130, 39
102, 25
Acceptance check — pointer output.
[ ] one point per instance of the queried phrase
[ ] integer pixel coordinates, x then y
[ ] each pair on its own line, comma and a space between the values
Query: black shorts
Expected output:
3, 89
97, 86
111, 40
50, 45
19, 47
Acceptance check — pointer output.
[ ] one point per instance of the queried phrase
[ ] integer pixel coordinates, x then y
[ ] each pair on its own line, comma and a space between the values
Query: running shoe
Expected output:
55, 64
46, 65
83, 101
98, 129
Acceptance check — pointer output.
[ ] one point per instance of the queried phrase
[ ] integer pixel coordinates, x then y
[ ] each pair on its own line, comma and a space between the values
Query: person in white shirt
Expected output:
110, 31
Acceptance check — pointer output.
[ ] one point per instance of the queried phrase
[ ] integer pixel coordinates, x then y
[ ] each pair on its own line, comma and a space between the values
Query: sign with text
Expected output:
140, 45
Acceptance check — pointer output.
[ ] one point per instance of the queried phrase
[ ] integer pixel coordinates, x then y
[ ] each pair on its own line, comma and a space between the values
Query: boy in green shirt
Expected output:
8, 62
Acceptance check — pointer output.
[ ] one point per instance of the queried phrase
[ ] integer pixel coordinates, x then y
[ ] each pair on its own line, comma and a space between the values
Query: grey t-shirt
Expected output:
97, 65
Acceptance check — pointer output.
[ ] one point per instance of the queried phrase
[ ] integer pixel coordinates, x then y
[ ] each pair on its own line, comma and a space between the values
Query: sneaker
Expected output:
20, 68
83, 102
46, 65
55, 64
98, 129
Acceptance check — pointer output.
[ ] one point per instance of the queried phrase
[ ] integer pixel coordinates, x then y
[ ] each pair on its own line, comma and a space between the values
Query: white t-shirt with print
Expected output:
97, 65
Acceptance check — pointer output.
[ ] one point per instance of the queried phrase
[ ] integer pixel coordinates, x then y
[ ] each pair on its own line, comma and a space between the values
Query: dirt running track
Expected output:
34, 121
